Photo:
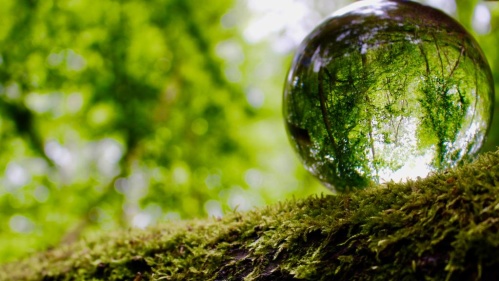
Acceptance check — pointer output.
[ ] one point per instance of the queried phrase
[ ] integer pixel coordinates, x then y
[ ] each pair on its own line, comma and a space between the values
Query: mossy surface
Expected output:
444, 227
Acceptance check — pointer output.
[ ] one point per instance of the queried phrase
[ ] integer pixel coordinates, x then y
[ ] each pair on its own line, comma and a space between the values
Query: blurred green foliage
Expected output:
126, 113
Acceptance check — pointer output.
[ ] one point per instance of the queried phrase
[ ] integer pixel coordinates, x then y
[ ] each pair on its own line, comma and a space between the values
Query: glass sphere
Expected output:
387, 90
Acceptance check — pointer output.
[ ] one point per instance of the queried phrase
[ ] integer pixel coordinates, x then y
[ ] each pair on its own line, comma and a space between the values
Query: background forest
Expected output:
128, 113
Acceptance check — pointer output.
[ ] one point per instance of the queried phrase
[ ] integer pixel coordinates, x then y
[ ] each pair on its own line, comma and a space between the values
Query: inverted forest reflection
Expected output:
385, 93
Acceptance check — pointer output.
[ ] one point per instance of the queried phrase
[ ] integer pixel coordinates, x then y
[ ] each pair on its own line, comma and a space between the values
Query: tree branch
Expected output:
443, 227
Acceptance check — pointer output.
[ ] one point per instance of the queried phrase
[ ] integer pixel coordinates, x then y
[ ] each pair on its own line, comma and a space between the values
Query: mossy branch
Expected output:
444, 227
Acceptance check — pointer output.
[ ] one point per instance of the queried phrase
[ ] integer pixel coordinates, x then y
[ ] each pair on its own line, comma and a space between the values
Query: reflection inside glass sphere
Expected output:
387, 90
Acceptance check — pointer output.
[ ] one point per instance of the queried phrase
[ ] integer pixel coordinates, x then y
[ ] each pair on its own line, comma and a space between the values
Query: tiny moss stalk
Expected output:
444, 227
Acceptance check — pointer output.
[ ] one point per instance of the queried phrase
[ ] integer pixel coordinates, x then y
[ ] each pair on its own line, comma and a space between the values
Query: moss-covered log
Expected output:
444, 227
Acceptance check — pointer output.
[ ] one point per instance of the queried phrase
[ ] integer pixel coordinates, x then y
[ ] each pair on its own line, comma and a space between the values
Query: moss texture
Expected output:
444, 227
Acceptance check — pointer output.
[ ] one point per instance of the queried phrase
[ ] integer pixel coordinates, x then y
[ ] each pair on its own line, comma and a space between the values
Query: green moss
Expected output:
444, 227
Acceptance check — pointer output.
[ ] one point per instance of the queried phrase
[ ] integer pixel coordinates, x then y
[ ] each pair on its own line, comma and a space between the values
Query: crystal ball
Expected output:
387, 90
